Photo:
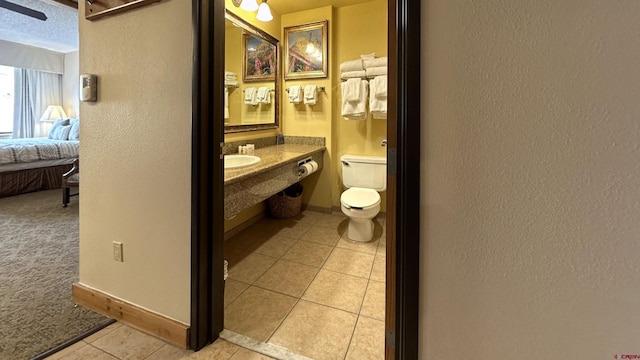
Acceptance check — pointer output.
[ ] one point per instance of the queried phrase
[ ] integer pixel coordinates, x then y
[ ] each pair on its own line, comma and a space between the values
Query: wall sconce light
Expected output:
53, 113
264, 12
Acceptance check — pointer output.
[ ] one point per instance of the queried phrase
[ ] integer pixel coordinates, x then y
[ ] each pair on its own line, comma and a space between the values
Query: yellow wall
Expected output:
136, 156
305, 120
359, 29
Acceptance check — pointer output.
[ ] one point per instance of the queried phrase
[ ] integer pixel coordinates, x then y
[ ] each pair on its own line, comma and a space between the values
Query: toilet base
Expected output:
360, 229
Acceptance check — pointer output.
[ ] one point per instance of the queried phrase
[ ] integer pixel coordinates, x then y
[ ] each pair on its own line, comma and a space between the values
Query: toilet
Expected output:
364, 177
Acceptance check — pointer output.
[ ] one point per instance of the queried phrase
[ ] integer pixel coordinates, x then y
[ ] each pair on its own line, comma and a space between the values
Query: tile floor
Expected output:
120, 342
297, 283
301, 284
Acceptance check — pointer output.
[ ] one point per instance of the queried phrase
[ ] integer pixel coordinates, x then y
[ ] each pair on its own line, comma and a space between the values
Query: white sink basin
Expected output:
239, 161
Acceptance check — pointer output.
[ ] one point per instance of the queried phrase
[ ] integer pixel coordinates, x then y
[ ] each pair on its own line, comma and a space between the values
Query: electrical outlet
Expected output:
117, 251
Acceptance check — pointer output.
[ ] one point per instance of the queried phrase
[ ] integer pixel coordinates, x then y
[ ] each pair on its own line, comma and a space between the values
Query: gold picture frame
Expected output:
306, 51
259, 59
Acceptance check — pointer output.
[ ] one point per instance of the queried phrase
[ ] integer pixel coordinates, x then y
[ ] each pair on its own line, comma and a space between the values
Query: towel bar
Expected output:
318, 89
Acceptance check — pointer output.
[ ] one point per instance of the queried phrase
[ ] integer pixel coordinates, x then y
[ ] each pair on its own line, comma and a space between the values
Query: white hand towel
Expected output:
310, 94
231, 82
226, 103
351, 65
250, 96
368, 56
375, 62
378, 102
294, 94
375, 71
379, 90
351, 89
355, 110
263, 95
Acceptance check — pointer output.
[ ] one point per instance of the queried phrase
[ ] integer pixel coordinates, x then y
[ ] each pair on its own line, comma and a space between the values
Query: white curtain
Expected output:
34, 91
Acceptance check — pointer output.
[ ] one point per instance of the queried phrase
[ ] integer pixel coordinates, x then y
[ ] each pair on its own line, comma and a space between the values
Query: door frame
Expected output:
207, 207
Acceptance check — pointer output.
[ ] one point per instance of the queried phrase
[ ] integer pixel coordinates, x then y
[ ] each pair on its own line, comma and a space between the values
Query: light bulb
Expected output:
310, 47
264, 12
249, 5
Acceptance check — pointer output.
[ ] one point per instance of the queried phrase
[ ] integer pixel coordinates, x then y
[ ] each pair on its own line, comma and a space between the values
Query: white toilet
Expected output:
364, 176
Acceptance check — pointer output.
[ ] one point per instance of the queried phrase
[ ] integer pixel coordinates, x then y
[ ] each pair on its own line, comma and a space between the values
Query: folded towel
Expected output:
351, 89
376, 62
353, 74
375, 71
368, 56
263, 95
351, 65
378, 97
250, 97
231, 82
226, 103
294, 94
310, 94
355, 110
230, 75
378, 86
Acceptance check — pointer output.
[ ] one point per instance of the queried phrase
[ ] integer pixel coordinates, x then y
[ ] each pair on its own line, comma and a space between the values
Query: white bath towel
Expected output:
310, 94
375, 71
378, 97
228, 75
375, 62
351, 89
263, 95
368, 56
231, 82
351, 65
250, 97
226, 103
355, 110
360, 74
295, 95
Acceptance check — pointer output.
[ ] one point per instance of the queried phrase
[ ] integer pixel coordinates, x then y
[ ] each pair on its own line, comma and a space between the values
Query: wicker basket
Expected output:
283, 206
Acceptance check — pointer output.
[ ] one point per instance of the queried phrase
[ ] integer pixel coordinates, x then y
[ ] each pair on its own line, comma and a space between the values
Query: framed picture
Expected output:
306, 51
259, 59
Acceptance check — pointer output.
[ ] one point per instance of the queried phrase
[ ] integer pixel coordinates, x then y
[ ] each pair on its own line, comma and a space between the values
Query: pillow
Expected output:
74, 133
56, 124
61, 133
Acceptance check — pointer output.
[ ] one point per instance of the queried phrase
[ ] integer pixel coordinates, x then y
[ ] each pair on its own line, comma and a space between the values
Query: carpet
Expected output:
38, 265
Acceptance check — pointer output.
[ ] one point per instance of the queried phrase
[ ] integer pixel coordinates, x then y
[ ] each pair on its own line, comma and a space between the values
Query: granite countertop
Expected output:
271, 157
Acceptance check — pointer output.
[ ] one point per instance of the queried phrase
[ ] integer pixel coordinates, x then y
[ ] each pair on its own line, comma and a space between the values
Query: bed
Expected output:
34, 164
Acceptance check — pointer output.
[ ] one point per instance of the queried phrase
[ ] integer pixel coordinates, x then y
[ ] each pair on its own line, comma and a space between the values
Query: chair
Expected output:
70, 179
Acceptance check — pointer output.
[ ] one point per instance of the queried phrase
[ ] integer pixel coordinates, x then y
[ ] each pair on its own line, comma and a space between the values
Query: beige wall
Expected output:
530, 148
136, 159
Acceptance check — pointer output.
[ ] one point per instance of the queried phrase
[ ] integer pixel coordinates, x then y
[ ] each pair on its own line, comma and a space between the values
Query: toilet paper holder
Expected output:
301, 162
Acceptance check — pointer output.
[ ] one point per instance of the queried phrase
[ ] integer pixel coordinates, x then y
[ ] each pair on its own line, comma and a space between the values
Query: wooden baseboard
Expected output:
169, 330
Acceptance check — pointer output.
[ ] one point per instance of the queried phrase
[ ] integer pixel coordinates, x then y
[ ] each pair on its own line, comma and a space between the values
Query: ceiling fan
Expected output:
23, 10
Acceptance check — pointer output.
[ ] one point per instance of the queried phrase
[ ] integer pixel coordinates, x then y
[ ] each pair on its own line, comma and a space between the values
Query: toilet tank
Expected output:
364, 171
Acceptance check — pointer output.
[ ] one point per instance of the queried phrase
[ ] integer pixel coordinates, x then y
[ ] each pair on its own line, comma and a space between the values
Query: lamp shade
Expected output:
53, 113
249, 5
264, 12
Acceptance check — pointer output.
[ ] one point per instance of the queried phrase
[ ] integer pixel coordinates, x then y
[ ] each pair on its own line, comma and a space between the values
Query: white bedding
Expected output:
32, 150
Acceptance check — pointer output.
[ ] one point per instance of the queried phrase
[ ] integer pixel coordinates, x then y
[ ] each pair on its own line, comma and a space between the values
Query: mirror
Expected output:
252, 64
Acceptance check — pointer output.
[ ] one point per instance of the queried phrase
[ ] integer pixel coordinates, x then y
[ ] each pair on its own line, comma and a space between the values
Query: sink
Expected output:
239, 161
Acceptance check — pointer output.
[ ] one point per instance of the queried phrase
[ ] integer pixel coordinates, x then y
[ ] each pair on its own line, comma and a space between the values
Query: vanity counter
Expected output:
272, 157
277, 170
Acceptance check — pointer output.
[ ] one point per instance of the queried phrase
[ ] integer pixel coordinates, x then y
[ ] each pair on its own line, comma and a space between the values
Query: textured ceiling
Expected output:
58, 33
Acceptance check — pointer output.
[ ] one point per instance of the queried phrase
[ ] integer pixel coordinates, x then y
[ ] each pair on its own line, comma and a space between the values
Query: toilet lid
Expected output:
360, 197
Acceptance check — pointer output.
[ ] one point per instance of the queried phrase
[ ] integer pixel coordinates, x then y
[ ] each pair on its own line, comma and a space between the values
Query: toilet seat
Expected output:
360, 198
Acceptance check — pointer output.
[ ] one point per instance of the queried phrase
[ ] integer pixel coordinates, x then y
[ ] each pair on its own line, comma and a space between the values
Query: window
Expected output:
6, 99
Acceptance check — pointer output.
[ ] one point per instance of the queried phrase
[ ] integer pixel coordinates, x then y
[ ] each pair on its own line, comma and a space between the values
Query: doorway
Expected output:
403, 154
